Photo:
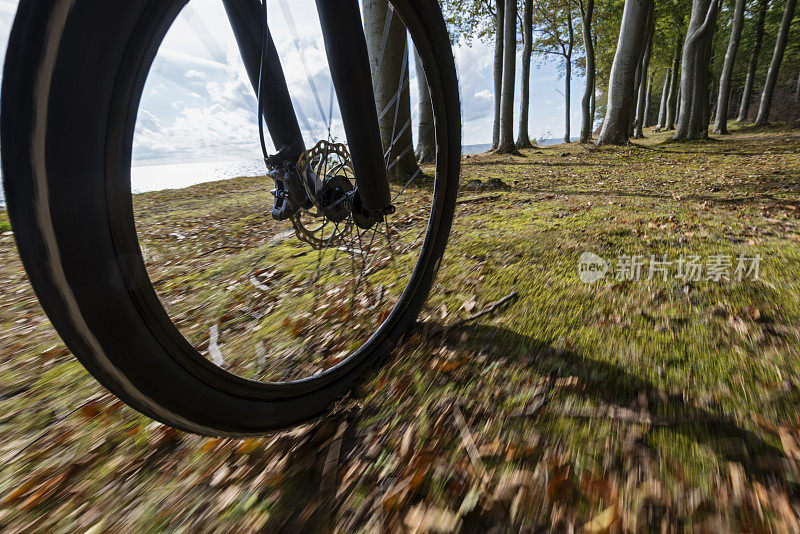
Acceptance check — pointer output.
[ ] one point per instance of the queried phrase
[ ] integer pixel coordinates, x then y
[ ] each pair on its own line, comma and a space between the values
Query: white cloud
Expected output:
198, 101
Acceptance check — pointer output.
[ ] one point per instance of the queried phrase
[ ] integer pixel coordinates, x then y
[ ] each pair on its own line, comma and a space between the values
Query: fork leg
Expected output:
346, 48
247, 20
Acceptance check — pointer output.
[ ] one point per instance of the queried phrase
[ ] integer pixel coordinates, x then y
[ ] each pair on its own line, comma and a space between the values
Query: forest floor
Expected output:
637, 402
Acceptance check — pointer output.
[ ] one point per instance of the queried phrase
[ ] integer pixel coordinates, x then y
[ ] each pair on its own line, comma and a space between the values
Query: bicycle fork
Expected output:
346, 50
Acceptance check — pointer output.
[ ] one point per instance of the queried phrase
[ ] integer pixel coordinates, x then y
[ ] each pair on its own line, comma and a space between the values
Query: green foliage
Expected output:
554, 23
469, 19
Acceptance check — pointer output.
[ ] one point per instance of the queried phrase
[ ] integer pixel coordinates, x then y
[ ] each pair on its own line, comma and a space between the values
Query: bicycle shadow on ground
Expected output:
612, 386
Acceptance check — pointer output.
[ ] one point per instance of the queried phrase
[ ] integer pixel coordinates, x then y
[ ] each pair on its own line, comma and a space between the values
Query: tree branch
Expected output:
699, 32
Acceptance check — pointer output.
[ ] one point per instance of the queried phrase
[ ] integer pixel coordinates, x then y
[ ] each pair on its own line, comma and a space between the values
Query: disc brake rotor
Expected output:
326, 173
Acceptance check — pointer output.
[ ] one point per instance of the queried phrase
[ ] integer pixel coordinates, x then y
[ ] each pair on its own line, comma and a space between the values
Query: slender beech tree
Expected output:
641, 108
568, 75
621, 84
775, 64
523, 140
586, 8
662, 107
484, 19
747, 93
426, 135
506, 143
553, 20
390, 79
694, 104
648, 98
499, 26
723, 98
797, 91
594, 80
674, 86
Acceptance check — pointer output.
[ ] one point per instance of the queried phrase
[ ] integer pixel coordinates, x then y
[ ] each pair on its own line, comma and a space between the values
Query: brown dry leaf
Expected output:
91, 409
559, 486
489, 450
781, 504
510, 484
407, 443
789, 442
598, 488
248, 446
602, 522
397, 495
20, 490
44, 490
566, 382
469, 304
738, 324
220, 476
164, 436
211, 444
55, 351
228, 496
435, 520
754, 313
450, 365
738, 480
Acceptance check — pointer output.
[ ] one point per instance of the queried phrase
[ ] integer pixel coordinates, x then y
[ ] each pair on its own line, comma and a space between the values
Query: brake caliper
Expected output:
290, 195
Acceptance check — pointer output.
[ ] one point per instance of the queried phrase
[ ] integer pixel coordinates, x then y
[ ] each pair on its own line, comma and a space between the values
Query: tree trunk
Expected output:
797, 91
723, 98
523, 140
775, 65
594, 80
662, 108
568, 75
694, 71
637, 83
647, 99
674, 88
426, 135
391, 83
587, 119
567, 89
499, 20
506, 144
633, 30
641, 107
747, 94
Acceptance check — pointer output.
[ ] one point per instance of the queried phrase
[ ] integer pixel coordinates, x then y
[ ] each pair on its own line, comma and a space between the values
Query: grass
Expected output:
622, 405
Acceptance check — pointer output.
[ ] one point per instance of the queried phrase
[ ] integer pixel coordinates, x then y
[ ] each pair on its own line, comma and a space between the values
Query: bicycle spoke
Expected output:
285, 303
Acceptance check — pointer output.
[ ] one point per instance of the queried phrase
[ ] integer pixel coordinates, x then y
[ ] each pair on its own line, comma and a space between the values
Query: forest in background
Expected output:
683, 65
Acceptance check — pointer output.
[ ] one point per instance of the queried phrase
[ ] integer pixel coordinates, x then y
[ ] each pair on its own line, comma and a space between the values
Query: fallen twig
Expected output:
331, 467
469, 443
471, 200
217, 249
43, 433
616, 413
534, 410
491, 308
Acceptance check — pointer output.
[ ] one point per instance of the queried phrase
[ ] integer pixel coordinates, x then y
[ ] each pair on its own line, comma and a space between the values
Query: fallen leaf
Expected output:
423, 519
602, 522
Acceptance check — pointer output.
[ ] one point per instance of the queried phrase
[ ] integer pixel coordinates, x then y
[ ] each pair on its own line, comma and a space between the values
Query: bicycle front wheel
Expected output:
242, 338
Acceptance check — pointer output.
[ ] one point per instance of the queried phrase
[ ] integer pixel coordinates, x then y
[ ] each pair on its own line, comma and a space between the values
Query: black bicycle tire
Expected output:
64, 89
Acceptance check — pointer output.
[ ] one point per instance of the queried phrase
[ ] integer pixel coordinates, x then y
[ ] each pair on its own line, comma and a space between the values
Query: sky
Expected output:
198, 103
